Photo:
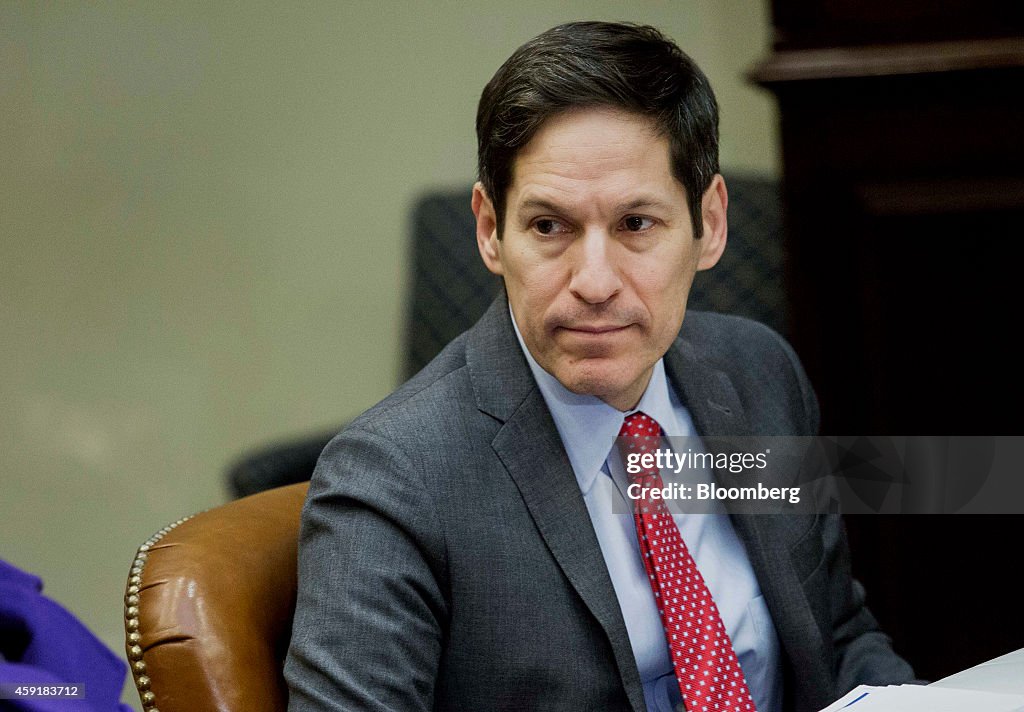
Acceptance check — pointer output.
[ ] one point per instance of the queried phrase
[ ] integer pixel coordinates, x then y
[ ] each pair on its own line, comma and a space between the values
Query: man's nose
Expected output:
595, 279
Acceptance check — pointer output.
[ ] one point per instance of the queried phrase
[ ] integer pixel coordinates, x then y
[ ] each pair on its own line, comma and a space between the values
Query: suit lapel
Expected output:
544, 476
716, 410
707, 392
529, 446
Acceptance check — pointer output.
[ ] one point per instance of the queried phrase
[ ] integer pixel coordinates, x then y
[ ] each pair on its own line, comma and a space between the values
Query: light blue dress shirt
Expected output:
588, 427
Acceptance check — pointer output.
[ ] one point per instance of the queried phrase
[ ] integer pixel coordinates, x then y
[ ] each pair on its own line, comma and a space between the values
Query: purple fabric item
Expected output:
42, 643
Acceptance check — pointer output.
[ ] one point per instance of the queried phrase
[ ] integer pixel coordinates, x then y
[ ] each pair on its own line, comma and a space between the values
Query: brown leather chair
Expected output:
209, 605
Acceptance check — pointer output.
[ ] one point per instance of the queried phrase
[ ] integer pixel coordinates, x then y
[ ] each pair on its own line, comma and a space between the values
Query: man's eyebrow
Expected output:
633, 204
539, 204
643, 202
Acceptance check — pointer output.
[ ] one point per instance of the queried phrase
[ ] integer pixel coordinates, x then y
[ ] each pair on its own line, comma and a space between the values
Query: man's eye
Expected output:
549, 226
637, 223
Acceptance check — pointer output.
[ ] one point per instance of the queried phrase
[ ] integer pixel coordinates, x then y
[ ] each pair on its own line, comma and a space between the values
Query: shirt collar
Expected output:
587, 425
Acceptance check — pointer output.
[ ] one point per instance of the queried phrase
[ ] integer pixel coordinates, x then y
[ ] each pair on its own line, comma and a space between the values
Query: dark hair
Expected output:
596, 64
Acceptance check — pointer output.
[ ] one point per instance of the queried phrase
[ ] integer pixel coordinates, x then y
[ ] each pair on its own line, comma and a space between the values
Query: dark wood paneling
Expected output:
902, 128
824, 23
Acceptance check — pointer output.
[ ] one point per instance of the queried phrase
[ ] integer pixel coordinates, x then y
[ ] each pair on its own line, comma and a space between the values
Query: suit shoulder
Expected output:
442, 386
727, 336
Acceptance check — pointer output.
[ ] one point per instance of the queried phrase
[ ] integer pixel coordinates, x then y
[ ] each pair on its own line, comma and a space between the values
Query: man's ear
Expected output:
716, 225
486, 230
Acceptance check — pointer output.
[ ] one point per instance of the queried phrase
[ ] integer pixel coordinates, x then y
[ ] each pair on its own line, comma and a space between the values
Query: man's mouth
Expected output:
595, 329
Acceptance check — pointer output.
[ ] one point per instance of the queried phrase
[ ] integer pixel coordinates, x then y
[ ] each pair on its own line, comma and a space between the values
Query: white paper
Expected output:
917, 698
1004, 674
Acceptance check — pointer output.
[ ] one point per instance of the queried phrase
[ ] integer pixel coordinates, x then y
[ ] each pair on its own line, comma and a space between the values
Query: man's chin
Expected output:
611, 387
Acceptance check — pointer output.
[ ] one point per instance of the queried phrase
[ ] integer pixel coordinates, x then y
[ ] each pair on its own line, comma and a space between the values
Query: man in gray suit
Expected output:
463, 545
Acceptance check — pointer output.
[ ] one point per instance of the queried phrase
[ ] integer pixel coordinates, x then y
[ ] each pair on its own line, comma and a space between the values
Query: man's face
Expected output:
598, 252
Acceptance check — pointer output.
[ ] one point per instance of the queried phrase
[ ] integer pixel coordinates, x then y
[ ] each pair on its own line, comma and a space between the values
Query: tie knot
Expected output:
640, 425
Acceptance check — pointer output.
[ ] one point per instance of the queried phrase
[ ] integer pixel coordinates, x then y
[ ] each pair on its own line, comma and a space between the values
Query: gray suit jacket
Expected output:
447, 560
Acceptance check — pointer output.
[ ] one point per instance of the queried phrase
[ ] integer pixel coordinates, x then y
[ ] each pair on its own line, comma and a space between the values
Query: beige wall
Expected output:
203, 234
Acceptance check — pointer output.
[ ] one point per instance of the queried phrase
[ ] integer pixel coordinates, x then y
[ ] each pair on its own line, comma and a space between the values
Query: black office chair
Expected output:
450, 289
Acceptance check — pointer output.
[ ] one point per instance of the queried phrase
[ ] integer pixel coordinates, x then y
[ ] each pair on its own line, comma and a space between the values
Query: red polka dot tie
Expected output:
705, 663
